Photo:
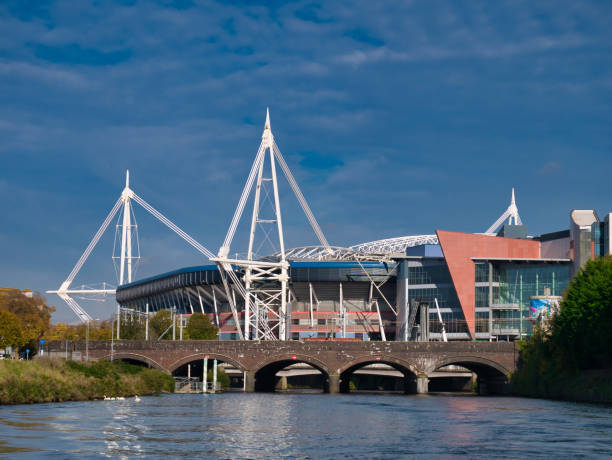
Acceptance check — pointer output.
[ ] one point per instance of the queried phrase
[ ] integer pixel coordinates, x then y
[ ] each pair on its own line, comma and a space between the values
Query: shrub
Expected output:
200, 328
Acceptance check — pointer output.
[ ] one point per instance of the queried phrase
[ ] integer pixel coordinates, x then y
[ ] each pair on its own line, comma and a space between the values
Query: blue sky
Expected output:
396, 118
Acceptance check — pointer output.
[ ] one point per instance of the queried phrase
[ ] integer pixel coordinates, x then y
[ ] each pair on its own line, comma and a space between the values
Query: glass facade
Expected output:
518, 282
600, 233
429, 273
512, 285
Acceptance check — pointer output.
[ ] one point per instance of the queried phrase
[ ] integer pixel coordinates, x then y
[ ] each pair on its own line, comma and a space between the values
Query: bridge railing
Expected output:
187, 385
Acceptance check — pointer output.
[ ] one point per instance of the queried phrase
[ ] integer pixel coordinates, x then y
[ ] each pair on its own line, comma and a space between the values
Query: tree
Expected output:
222, 378
160, 321
98, 330
132, 327
200, 328
10, 330
33, 313
581, 331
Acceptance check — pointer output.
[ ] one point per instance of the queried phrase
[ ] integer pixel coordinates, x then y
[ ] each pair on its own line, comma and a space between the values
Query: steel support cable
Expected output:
92, 244
173, 227
224, 268
76, 308
298, 193
376, 286
245, 195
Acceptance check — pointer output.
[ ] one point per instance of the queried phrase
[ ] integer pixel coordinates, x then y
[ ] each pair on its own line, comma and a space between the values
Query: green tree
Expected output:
132, 327
222, 378
159, 322
11, 334
32, 311
200, 328
581, 332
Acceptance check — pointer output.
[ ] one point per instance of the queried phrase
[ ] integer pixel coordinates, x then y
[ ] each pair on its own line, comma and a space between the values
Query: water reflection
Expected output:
307, 426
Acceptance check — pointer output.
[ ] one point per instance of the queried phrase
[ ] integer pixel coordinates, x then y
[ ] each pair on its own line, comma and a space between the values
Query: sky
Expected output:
396, 118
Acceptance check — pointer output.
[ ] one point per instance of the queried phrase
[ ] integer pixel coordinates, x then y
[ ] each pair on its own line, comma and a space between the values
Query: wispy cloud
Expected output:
551, 168
47, 74
384, 110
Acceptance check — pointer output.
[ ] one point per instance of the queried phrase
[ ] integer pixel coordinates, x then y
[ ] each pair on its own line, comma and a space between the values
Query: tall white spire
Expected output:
511, 214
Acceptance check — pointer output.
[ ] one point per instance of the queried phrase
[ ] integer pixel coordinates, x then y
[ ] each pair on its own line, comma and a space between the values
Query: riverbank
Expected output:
592, 386
52, 380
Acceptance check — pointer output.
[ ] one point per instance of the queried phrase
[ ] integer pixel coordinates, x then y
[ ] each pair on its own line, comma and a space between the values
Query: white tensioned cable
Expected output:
230, 271
92, 243
245, 195
298, 193
376, 286
173, 227
82, 314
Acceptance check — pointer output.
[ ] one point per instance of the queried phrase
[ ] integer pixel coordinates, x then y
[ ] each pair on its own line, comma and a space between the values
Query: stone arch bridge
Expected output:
492, 362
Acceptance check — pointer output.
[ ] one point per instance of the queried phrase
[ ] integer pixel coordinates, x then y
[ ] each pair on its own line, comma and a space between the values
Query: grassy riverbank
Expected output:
593, 386
46, 380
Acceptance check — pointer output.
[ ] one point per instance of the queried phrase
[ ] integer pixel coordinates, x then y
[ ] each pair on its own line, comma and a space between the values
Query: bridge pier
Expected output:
416, 384
333, 384
422, 385
249, 382
282, 384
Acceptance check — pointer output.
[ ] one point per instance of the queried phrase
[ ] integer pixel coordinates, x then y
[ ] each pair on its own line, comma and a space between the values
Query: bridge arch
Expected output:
473, 363
265, 371
200, 356
409, 370
492, 376
125, 356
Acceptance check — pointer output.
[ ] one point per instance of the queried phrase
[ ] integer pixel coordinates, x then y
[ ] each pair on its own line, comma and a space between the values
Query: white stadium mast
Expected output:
511, 214
126, 251
265, 305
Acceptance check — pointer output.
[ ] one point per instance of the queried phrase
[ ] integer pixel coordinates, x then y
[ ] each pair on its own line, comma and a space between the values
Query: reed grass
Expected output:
54, 380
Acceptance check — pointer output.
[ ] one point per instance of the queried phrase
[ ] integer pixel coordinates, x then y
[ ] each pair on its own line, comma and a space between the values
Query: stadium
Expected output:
443, 286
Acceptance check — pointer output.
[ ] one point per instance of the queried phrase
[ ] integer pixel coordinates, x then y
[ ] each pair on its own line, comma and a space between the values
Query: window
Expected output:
482, 272
482, 297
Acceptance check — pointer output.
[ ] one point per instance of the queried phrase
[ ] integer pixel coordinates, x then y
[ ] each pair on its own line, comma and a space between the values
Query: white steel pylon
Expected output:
511, 214
126, 254
265, 303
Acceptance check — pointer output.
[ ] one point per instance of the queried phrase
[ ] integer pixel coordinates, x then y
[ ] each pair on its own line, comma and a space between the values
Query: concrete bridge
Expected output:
492, 362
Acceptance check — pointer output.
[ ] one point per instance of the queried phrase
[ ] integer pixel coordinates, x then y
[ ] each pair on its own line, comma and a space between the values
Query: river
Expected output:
258, 425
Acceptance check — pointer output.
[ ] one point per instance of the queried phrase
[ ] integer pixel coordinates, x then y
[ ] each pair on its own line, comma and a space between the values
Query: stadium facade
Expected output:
469, 286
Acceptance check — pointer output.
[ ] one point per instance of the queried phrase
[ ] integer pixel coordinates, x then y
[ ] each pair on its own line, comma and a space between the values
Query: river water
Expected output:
257, 425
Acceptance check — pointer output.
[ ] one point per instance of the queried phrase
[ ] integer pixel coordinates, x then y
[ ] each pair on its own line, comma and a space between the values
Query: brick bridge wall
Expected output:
491, 361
